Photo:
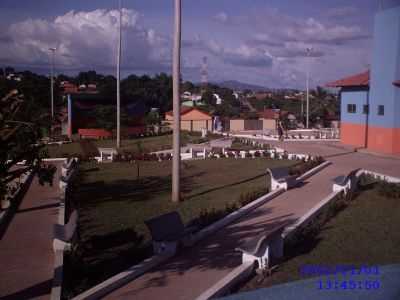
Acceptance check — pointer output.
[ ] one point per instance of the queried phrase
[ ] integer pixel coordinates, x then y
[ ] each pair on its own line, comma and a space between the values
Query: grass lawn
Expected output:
149, 144
113, 204
365, 233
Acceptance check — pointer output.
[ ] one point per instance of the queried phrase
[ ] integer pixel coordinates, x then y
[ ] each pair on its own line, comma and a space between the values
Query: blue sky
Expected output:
254, 41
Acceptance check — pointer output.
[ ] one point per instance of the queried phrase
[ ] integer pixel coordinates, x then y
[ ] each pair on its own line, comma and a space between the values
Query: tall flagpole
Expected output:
118, 78
308, 50
176, 104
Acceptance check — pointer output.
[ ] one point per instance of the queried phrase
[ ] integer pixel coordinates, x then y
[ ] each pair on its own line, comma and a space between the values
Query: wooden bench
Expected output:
345, 183
168, 232
63, 234
280, 178
264, 249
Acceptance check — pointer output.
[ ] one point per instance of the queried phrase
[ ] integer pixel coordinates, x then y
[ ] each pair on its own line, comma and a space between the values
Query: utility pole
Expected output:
302, 108
308, 52
52, 50
118, 78
176, 161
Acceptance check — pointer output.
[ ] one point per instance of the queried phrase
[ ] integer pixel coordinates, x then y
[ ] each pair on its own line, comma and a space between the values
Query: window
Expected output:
366, 109
381, 110
351, 108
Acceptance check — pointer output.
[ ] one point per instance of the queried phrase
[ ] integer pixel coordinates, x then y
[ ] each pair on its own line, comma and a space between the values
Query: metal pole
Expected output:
307, 86
52, 82
118, 79
176, 104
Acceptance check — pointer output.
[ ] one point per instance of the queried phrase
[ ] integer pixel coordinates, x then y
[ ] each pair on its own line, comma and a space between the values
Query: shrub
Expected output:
249, 196
257, 154
285, 155
390, 190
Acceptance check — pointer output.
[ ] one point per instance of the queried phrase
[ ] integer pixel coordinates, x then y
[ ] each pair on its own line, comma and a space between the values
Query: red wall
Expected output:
352, 134
380, 139
385, 140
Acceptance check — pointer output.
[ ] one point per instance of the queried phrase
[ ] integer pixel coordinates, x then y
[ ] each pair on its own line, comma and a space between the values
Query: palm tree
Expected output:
176, 104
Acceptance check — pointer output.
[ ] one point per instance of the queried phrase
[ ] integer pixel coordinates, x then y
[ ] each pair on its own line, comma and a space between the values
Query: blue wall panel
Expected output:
359, 98
385, 69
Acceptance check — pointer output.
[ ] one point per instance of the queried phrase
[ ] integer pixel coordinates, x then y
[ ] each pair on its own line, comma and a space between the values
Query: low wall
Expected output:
58, 265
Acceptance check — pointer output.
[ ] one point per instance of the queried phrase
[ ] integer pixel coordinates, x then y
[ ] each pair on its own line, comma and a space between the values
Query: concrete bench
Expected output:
345, 183
168, 232
280, 178
264, 249
63, 234
67, 167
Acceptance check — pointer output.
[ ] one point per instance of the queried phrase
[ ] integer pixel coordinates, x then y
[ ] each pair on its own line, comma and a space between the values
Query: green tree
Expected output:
19, 140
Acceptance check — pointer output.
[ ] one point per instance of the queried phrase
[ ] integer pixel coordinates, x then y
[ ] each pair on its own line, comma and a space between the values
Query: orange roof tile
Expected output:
361, 79
185, 110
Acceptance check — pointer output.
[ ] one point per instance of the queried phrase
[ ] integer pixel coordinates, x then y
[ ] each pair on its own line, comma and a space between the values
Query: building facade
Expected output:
192, 119
370, 101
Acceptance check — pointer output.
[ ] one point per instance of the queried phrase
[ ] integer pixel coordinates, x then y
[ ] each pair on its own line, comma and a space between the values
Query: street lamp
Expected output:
176, 104
52, 50
118, 78
308, 53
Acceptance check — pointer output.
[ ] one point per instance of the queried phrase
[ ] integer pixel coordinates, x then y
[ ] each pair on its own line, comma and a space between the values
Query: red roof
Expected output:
361, 79
269, 114
396, 83
185, 110
273, 114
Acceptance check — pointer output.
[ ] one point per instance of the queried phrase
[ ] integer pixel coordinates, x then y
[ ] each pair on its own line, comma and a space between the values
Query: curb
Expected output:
58, 266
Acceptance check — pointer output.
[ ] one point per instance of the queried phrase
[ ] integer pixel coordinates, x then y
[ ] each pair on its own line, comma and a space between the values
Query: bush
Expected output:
257, 154
390, 190
305, 166
285, 155
247, 197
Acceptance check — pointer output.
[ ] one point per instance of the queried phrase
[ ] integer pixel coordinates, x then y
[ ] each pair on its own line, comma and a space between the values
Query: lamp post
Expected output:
118, 77
308, 53
52, 50
176, 104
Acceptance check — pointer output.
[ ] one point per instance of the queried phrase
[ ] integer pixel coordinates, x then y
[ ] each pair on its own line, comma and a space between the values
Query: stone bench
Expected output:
280, 178
168, 232
68, 166
63, 234
264, 249
345, 183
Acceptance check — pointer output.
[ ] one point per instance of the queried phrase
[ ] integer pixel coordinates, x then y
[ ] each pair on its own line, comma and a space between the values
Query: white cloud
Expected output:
221, 17
244, 55
340, 12
86, 39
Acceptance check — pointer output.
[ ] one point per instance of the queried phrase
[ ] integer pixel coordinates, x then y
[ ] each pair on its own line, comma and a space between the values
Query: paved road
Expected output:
187, 275
26, 254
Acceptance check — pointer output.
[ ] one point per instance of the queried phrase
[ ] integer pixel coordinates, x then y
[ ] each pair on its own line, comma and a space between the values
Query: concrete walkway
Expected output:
26, 253
187, 275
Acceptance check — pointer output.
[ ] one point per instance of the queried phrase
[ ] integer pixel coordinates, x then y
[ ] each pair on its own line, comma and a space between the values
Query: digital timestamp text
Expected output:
350, 280
328, 284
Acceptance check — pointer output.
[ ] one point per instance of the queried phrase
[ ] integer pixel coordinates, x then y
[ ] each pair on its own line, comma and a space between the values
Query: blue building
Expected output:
370, 101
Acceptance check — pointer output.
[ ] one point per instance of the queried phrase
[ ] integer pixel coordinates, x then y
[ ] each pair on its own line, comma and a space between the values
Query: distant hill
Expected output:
237, 85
